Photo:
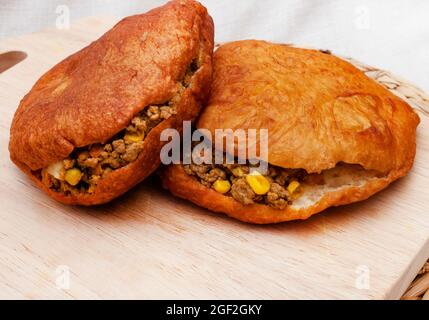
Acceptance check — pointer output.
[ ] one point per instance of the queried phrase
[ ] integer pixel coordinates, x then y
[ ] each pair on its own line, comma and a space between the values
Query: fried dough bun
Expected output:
94, 94
323, 115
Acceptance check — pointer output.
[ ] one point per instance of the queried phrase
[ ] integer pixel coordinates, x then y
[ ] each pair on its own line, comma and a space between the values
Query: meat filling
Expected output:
84, 168
277, 188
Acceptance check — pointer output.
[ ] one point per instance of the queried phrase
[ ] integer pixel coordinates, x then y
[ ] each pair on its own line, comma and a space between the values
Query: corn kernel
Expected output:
293, 187
238, 172
259, 184
222, 186
134, 137
73, 176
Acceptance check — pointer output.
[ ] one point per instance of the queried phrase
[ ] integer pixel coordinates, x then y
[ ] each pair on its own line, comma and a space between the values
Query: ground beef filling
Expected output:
82, 170
277, 188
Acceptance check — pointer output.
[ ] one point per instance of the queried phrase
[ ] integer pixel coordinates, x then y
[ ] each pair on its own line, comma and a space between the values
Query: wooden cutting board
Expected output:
147, 244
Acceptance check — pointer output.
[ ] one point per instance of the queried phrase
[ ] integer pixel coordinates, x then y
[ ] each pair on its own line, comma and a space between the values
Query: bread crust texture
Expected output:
188, 187
319, 111
93, 94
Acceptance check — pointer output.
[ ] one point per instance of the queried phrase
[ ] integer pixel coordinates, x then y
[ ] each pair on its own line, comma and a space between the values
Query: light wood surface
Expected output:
148, 244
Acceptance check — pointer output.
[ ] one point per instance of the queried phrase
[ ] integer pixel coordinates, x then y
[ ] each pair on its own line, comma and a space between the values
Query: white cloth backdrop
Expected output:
390, 34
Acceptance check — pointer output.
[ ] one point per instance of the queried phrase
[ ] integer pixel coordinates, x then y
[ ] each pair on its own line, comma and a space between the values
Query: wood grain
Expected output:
148, 244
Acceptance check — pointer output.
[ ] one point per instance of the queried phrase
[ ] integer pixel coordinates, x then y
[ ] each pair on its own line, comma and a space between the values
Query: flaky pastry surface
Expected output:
320, 111
93, 94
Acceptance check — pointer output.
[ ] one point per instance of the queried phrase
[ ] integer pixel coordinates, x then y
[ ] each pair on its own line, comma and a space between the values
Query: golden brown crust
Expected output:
319, 109
94, 94
187, 187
